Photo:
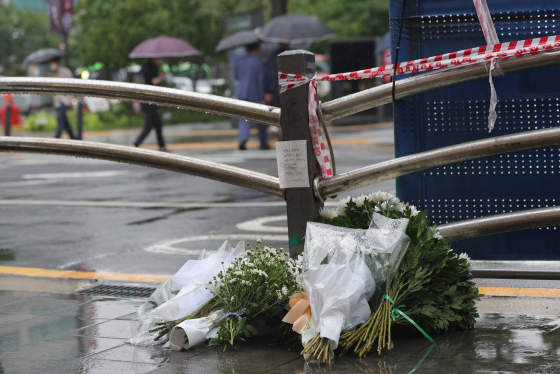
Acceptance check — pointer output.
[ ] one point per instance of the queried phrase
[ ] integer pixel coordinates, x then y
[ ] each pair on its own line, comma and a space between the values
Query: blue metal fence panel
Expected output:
526, 101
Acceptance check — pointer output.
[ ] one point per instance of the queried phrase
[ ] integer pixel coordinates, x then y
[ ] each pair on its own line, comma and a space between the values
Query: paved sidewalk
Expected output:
60, 333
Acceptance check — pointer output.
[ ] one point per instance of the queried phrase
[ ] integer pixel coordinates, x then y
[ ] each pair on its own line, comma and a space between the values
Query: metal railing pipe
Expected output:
146, 94
501, 223
516, 274
431, 81
454, 154
154, 159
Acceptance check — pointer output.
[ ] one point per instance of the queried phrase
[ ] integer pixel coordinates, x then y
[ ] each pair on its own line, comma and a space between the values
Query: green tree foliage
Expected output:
347, 18
21, 33
108, 30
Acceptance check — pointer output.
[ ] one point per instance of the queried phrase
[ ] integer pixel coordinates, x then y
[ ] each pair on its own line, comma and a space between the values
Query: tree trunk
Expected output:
279, 7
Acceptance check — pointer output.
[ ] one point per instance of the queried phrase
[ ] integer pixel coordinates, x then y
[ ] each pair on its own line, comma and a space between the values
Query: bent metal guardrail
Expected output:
475, 150
426, 82
154, 159
146, 94
272, 116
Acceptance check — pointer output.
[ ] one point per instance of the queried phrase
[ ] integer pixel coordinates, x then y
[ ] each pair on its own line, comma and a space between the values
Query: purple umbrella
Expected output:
163, 46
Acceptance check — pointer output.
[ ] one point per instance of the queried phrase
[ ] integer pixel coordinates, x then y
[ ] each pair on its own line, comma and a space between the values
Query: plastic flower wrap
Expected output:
345, 268
192, 332
184, 294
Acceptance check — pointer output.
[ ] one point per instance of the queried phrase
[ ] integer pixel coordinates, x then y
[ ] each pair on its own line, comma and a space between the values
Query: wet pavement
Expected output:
65, 333
60, 213
74, 214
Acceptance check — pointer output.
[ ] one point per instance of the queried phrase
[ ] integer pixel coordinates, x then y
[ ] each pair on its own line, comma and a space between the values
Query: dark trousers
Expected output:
152, 120
63, 123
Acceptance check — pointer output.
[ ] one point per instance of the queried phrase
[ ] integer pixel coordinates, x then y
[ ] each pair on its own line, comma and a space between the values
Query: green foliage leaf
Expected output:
432, 281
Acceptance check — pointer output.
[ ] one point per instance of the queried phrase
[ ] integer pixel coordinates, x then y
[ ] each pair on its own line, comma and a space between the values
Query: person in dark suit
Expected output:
150, 73
249, 72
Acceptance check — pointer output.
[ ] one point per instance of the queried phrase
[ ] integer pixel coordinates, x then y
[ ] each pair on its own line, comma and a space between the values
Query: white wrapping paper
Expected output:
189, 285
196, 330
344, 268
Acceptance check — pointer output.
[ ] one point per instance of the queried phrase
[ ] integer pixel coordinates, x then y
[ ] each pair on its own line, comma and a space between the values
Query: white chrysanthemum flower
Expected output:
328, 213
232, 298
384, 205
464, 256
377, 209
284, 290
413, 211
360, 200
343, 202
373, 197
233, 280
438, 236
399, 207
259, 241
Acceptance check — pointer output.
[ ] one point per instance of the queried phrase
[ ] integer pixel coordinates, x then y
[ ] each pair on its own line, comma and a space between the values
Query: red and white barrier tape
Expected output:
491, 37
320, 147
454, 59
470, 56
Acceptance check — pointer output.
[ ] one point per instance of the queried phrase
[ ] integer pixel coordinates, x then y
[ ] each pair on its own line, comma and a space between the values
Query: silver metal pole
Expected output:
154, 159
147, 94
426, 82
454, 154
501, 223
516, 274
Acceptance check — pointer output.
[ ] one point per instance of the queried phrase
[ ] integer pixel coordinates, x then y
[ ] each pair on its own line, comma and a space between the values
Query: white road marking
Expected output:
258, 224
168, 248
28, 183
88, 174
143, 204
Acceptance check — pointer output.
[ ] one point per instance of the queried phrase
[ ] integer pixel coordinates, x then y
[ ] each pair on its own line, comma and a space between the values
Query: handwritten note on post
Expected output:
292, 164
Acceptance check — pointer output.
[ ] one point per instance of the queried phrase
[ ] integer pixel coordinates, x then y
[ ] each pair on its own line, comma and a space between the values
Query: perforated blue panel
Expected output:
527, 101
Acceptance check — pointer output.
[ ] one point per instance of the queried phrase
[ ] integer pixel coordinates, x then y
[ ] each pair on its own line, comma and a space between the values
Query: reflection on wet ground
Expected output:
53, 333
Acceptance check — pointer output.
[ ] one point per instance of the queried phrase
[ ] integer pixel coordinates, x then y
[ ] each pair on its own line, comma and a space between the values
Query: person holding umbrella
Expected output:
150, 73
288, 30
249, 72
155, 49
61, 102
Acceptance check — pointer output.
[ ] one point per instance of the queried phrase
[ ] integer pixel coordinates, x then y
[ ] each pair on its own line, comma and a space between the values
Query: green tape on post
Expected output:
294, 240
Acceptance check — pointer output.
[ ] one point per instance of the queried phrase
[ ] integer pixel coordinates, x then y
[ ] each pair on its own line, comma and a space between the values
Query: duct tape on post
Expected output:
292, 164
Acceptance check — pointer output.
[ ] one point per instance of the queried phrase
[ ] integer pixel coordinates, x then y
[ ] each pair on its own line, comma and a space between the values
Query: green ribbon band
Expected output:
396, 313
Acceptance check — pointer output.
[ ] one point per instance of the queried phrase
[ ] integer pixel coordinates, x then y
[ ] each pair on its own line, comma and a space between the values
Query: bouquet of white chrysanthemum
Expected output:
221, 298
253, 288
432, 286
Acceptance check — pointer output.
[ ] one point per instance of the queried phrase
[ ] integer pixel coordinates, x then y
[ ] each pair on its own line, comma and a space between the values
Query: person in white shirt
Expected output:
61, 102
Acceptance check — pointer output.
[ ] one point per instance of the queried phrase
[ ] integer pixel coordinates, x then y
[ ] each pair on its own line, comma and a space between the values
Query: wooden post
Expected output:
301, 203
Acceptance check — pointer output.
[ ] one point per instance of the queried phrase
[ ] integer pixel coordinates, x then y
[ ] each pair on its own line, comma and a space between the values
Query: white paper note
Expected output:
292, 163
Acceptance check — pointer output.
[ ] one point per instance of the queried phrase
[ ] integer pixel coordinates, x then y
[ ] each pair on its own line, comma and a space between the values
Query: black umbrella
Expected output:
40, 56
295, 28
238, 39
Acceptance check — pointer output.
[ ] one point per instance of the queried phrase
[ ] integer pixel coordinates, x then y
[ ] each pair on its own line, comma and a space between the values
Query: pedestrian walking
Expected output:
61, 102
151, 75
249, 72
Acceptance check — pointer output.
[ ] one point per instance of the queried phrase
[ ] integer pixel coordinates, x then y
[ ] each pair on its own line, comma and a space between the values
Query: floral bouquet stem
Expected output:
378, 326
164, 328
318, 349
